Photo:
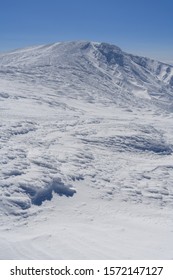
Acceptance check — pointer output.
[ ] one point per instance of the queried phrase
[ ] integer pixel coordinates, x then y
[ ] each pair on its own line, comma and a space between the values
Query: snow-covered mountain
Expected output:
86, 64
93, 124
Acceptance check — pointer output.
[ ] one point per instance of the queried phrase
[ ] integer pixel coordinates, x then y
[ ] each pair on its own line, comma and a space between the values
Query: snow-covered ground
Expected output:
86, 164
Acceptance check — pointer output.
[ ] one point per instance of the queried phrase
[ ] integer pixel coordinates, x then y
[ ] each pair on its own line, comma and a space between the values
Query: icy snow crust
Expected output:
86, 165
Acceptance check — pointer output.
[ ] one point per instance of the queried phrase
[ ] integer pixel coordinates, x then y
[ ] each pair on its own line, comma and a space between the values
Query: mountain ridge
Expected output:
123, 71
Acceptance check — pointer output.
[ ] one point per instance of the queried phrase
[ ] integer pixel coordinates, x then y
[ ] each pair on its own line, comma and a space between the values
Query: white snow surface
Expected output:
86, 154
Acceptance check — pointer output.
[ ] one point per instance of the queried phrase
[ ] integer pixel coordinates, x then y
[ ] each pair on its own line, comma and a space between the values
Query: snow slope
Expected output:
86, 165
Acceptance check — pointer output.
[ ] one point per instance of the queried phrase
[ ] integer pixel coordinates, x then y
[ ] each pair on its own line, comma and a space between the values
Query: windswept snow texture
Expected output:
86, 153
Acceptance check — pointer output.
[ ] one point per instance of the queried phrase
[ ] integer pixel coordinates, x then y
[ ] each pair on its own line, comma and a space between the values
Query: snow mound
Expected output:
21, 197
41, 194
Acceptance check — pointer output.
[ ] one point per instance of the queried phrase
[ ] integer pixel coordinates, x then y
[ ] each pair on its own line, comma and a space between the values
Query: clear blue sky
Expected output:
138, 26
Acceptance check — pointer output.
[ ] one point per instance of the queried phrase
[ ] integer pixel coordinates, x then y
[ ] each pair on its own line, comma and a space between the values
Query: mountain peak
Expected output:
112, 53
85, 62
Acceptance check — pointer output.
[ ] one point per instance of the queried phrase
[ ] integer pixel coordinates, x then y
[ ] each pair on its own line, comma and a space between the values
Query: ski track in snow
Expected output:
85, 154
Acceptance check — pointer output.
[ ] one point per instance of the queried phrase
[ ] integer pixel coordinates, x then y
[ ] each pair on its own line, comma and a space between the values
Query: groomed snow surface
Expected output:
86, 154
